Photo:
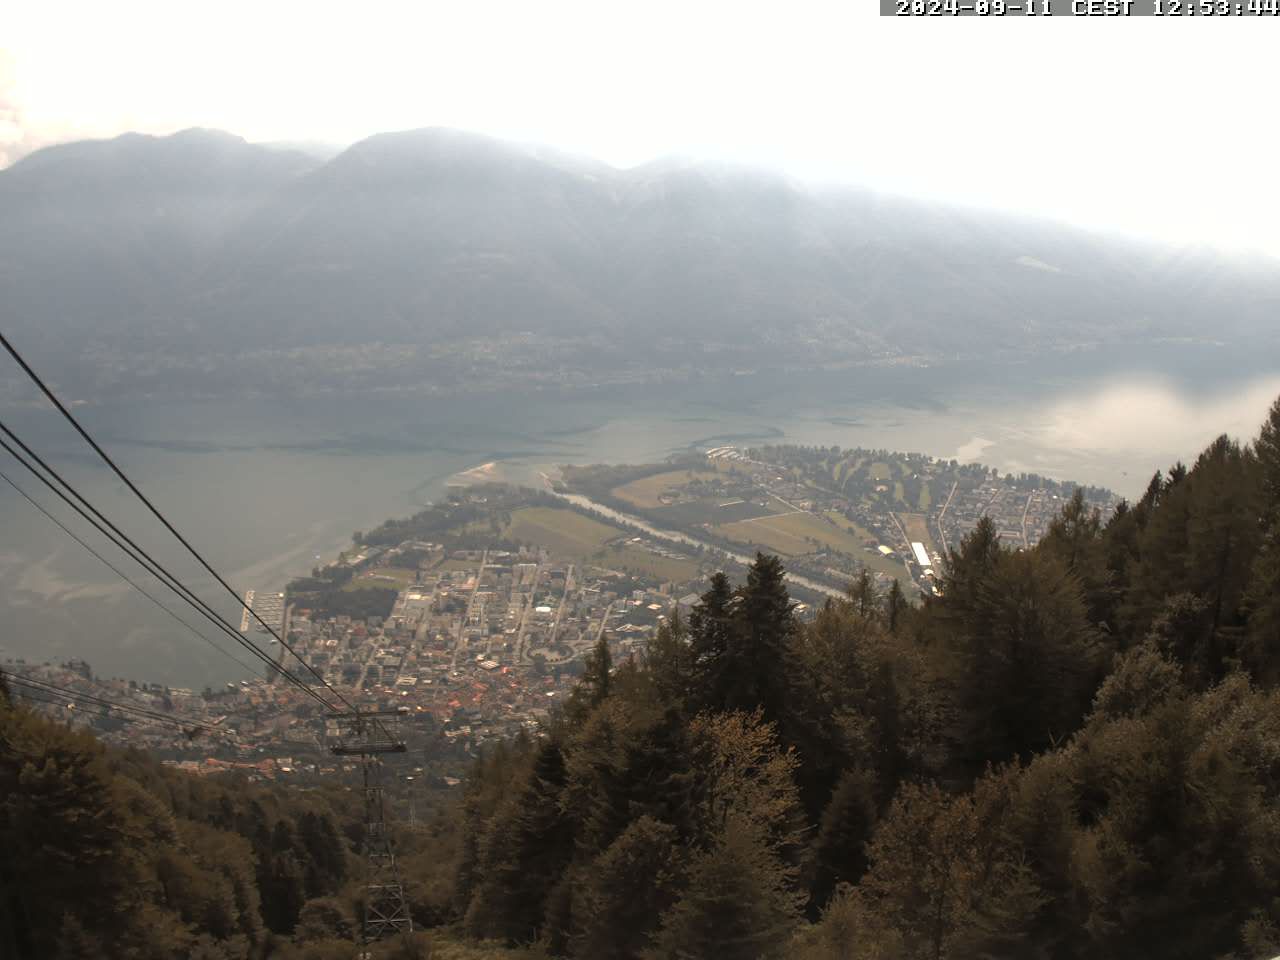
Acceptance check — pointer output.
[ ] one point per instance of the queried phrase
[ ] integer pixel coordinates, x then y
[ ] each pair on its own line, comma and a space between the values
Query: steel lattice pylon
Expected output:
368, 735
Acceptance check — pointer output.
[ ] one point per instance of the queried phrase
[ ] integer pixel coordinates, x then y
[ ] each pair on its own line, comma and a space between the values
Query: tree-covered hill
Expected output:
1072, 752
108, 854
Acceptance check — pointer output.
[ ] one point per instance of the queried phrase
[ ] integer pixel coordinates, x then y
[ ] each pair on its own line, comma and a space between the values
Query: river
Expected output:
677, 537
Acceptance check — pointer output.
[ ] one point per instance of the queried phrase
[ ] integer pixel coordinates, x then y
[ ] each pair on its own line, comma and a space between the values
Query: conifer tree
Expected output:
1267, 450
1120, 536
1201, 539
282, 883
945, 876
839, 850
1027, 635
1141, 679
756, 662
1150, 496
1224, 537
327, 864
967, 565
895, 606
627, 761
1260, 649
594, 685
66, 836
1170, 797
1075, 538
862, 594
523, 855
737, 903
669, 663
625, 891
711, 634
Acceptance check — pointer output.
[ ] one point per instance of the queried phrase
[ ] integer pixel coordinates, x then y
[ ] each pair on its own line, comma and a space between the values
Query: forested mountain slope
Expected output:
1073, 752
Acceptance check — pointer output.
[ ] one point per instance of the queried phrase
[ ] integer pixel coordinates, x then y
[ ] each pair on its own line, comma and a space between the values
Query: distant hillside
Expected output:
459, 253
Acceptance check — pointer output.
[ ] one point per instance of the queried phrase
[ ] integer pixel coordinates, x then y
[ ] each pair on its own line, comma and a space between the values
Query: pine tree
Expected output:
946, 878
862, 594
66, 836
1224, 537
756, 662
839, 851
1141, 679
495, 771
1201, 538
594, 685
523, 856
627, 761
1260, 649
596, 677
282, 883
1075, 538
711, 634
325, 851
669, 663
1120, 550
1267, 450
895, 606
1026, 635
967, 566
625, 890
1170, 798
737, 903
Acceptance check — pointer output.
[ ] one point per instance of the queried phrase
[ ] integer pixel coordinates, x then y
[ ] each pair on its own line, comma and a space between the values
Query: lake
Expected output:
264, 488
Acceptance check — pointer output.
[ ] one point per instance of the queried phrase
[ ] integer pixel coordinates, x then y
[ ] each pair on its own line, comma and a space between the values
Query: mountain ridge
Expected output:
437, 239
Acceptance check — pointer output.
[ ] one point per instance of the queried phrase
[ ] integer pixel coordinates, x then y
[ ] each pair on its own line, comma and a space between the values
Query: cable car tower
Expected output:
368, 736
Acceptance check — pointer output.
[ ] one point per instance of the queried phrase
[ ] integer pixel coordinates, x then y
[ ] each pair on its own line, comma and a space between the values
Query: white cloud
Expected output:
1148, 125
1154, 421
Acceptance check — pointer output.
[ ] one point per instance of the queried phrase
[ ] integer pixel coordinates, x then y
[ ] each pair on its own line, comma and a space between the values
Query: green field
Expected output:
786, 534
840, 520
708, 510
644, 492
872, 557
395, 577
641, 562
880, 471
886, 565
449, 564
563, 532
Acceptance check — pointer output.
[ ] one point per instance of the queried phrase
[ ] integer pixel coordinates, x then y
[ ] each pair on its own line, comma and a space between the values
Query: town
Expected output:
469, 621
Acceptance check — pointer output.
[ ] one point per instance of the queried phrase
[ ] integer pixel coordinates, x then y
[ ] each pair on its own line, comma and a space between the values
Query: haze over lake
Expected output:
266, 486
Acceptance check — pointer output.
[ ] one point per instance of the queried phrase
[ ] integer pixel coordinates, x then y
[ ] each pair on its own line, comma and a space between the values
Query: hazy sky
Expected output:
1155, 126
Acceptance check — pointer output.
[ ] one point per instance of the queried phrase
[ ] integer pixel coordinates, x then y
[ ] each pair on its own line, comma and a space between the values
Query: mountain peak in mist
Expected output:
434, 236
